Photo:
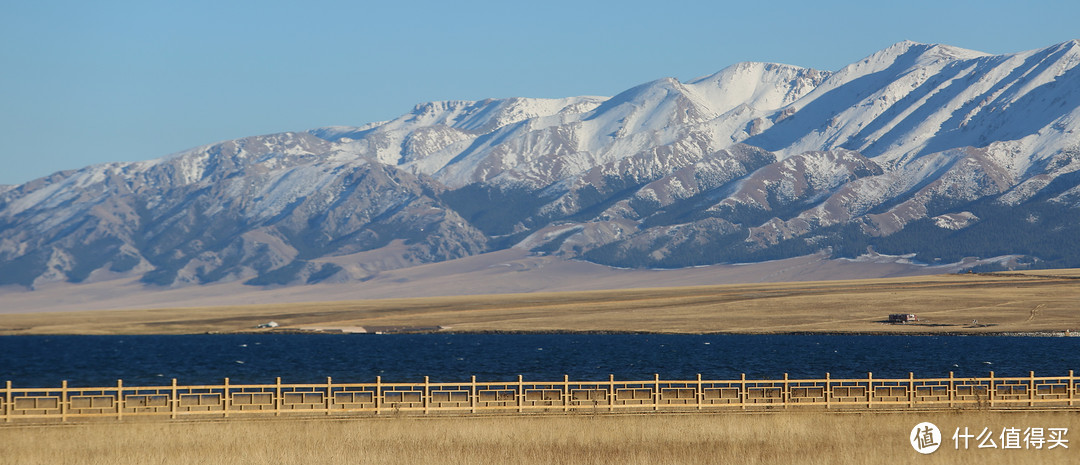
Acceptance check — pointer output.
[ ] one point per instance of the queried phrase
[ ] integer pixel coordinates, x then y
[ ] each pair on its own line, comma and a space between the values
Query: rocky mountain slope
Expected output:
919, 149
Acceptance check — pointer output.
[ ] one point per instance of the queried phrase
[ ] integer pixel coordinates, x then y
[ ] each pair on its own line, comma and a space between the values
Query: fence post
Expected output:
1031, 389
742, 391
119, 399
224, 399
329, 394
656, 392
425, 400
952, 390
828, 390
566, 393
520, 394
699, 393
611, 392
911, 389
991, 391
472, 394
63, 400
277, 397
870, 390
174, 401
8, 406
1071, 390
378, 394
785, 395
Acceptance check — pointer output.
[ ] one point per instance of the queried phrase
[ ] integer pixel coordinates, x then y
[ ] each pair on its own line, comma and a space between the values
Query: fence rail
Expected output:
245, 400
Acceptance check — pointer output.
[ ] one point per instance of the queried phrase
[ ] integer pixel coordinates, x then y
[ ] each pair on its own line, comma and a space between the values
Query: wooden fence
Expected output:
246, 400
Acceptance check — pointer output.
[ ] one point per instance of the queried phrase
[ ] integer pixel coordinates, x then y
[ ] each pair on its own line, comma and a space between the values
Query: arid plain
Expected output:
1025, 302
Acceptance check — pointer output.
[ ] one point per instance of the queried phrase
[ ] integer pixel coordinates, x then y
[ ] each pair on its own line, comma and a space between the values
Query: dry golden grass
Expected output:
805, 438
1016, 302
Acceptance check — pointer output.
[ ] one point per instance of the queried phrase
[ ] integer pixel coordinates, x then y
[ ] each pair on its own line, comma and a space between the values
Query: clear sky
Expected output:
90, 82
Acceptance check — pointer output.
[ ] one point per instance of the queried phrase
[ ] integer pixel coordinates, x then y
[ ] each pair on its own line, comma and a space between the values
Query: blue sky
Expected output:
92, 82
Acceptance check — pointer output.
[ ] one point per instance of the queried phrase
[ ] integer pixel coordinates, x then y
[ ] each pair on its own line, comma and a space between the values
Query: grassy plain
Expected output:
1015, 302
805, 438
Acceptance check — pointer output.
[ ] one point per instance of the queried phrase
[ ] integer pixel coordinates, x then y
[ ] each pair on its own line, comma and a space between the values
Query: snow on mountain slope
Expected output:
537, 142
805, 177
431, 127
927, 184
915, 99
919, 148
234, 210
760, 86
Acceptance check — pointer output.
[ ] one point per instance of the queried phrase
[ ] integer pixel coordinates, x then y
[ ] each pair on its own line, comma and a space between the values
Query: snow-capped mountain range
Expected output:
917, 149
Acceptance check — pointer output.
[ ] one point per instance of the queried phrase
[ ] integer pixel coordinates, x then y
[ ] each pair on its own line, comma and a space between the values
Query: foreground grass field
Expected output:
805, 438
1046, 300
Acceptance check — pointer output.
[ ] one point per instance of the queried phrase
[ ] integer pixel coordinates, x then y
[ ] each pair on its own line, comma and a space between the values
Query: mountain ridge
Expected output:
918, 148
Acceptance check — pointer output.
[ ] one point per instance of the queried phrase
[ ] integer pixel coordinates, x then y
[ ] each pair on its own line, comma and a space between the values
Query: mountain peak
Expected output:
949, 51
749, 68
909, 53
648, 93
1067, 46
758, 85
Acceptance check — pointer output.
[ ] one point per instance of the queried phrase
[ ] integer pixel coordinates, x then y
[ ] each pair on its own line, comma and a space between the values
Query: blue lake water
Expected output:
43, 361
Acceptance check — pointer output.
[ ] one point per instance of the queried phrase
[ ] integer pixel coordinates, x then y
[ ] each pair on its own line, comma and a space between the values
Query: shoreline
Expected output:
330, 332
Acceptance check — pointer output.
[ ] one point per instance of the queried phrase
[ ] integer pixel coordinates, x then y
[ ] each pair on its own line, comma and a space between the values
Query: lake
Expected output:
44, 361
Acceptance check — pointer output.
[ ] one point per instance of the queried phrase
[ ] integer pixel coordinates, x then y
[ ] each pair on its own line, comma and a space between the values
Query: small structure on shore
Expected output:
901, 318
272, 324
